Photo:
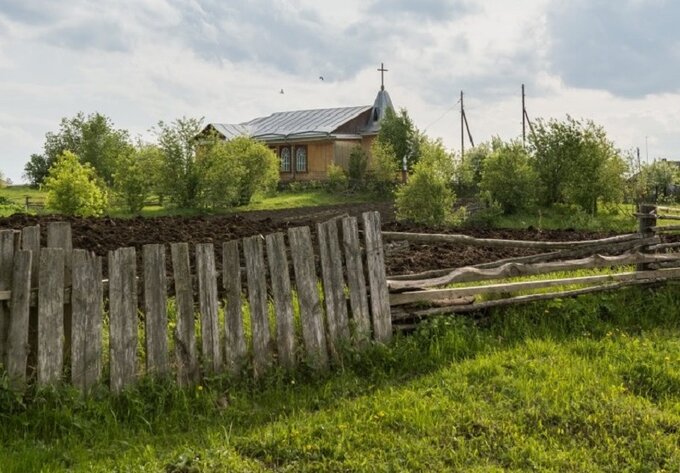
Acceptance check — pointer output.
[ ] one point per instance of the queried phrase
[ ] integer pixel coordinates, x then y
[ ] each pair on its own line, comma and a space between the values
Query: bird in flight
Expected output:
320, 77
281, 91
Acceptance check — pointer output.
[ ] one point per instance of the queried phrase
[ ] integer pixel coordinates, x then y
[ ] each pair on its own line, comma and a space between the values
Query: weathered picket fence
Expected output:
414, 297
58, 311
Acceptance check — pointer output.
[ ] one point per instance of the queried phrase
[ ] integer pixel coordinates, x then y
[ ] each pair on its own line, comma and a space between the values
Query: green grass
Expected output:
590, 384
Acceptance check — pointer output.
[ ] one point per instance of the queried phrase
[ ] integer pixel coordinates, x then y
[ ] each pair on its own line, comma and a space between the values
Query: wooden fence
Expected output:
417, 296
62, 319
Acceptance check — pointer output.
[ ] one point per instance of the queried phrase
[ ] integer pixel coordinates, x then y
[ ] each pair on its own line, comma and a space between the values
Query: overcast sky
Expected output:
140, 61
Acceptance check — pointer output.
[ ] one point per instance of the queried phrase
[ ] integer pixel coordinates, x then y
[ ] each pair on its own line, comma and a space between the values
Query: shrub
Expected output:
358, 167
383, 167
73, 188
220, 171
136, 176
337, 179
260, 167
508, 178
428, 197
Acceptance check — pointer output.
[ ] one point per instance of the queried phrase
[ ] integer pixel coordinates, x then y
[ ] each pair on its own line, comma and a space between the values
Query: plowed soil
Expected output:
104, 234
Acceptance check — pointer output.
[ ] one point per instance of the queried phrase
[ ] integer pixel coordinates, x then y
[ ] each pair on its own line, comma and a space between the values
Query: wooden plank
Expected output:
30, 240
311, 314
452, 293
207, 296
235, 346
665, 217
185, 335
17, 340
123, 317
377, 280
257, 298
496, 243
337, 326
6, 269
87, 308
361, 317
665, 228
155, 310
283, 302
468, 274
59, 236
50, 316
455, 309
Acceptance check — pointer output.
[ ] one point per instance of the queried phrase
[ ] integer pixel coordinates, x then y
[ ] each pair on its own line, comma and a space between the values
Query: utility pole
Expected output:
464, 127
524, 120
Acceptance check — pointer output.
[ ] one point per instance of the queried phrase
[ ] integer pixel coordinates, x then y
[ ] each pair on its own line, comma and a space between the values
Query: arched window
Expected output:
300, 159
284, 154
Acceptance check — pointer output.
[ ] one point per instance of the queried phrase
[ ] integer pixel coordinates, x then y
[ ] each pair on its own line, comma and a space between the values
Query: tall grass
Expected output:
572, 385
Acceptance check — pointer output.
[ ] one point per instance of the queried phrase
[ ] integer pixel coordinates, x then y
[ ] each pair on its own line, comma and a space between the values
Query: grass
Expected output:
589, 384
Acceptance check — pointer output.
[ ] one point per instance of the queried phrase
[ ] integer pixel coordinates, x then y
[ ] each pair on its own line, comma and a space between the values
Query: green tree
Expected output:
428, 196
261, 167
73, 188
469, 170
358, 167
508, 177
658, 179
382, 168
178, 177
93, 139
136, 175
398, 131
576, 163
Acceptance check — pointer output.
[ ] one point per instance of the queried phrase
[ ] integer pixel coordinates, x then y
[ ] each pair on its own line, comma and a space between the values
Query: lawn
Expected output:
588, 384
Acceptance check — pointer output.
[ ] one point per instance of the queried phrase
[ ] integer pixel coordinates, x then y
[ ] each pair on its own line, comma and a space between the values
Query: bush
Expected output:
358, 167
73, 188
383, 169
337, 179
427, 198
508, 178
136, 176
260, 167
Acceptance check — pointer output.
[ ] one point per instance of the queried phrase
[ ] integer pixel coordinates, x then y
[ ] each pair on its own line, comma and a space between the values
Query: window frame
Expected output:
290, 160
306, 162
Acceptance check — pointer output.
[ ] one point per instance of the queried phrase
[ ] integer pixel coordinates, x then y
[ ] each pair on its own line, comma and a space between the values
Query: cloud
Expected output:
630, 48
431, 10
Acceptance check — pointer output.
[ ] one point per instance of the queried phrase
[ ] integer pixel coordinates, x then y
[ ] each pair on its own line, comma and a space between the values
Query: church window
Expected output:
284, 154
301, 159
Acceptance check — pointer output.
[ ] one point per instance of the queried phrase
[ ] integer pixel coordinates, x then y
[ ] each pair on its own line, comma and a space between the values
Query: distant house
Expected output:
308, 141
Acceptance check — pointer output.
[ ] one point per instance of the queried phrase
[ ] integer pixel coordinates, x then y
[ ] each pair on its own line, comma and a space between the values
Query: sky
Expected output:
616, 62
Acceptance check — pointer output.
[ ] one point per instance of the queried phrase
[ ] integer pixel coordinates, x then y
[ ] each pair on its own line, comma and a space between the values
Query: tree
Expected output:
469, 170
3, 180
358, 167
136, 175
382, 168
508, 178
93, 139
179, 179
260, 164
398, 131
73, 188
576, 163
657, 180
428, 197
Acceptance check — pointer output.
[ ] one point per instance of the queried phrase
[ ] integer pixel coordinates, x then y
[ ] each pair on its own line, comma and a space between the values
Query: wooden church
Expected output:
308, 141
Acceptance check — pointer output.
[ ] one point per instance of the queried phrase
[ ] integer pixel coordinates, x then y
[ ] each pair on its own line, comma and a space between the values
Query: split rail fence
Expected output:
62, 320
58, 313
414, 297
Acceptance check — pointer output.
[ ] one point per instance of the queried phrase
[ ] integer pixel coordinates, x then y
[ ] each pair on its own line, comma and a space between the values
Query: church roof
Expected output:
311, 123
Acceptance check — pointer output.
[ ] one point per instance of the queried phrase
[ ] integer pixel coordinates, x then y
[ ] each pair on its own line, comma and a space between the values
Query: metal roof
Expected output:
308, 123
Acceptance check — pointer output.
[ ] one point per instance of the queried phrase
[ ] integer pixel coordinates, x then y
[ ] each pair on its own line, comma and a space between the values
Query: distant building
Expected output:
308, 141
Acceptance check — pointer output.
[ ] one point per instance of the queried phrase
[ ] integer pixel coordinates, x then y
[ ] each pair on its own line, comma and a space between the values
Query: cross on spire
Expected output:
382, 76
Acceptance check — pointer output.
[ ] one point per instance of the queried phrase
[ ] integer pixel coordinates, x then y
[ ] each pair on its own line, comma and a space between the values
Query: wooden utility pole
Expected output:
524, 121
464, 127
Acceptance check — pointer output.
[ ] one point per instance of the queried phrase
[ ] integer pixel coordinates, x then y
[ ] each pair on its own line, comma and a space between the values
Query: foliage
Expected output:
3, 180
658, 180
136, 176
230, 172
508, 178
93, 139
427, 198
398, 131
337, 179
358, 167
383, 169
260, 167
576, 163
469, 170
73, 188
179, 178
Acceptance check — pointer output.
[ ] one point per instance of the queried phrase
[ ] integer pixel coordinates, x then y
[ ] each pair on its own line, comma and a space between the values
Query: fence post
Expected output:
155, 310
207, 298
377, 278
647, 220
30, 240
185, 338
59, 236
356, 281
50, 316
17, 340
6, 268
235, 342
283, 303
